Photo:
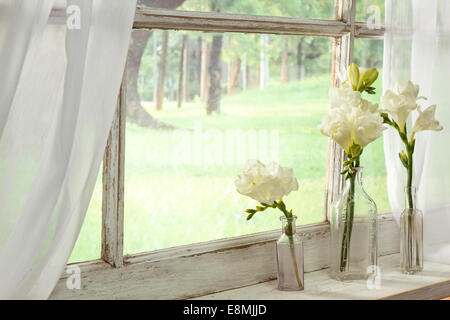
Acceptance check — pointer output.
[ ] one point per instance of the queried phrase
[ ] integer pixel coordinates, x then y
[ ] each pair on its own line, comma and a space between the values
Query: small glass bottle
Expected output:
353, 238
290, 257
411, 235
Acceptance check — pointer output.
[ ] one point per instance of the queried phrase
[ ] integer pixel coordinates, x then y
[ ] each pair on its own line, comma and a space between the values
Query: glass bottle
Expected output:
411, 235
290, 257
353, 238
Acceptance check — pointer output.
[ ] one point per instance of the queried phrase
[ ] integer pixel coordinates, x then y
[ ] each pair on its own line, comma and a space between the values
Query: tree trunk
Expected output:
215, 75
244, 73
181, 72
204, 72
299, 60
138, 42
135, 112
186, 59
234, 75
198, 66
284, 76
162, 71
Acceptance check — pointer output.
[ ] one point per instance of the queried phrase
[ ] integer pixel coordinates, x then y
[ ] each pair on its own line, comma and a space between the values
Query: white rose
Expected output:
426, 120
265, 184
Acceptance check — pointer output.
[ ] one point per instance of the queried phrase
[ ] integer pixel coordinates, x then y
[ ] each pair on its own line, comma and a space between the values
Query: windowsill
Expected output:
319, 285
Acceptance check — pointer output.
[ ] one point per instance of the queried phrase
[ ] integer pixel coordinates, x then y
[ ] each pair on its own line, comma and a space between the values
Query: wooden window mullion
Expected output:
113, 185
345, 11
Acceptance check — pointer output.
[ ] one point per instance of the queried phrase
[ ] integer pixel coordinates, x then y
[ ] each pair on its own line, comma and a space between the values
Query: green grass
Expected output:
179, 193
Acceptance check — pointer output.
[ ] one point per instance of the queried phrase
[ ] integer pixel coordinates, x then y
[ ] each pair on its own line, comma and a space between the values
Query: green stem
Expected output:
348, 224
289, 232
297, 276
409, 182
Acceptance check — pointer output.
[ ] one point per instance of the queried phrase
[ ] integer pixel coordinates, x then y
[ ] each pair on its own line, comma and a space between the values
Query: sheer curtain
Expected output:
417, 47
57, 101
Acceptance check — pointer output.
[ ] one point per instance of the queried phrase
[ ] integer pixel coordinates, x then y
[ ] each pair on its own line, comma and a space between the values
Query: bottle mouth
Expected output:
283, 218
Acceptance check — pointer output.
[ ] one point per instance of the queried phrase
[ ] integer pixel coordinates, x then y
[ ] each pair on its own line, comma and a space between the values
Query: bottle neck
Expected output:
288, 225
357, 177
410, 197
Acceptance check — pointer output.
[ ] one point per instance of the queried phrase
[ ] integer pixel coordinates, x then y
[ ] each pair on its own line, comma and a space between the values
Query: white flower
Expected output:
346, 95
265, 184
358, 123
336, 126
400, 102
408, 90
367, 126
426, 120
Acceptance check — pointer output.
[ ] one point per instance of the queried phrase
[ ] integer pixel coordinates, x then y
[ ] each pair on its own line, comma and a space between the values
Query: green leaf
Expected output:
250, 216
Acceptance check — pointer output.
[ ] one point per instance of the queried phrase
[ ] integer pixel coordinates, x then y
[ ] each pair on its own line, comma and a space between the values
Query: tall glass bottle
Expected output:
411, 235
290, 257
353, 222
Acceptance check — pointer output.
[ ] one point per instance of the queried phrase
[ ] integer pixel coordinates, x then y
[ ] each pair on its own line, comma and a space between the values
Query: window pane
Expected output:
88, 245
370, 11
369, 53
292, 8
267, 95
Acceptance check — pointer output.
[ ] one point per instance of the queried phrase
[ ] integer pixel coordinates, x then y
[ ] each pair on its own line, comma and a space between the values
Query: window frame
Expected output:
161, 274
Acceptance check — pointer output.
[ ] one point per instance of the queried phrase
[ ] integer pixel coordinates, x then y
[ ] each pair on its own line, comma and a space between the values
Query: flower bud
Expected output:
369, 77
353, 76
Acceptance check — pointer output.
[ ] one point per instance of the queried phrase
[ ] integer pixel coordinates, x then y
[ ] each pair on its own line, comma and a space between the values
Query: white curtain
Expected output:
57, 100
417, 47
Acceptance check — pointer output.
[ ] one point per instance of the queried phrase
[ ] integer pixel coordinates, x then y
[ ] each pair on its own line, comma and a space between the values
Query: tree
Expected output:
182, 70
284, 73
215, 76
139, 39
162, 71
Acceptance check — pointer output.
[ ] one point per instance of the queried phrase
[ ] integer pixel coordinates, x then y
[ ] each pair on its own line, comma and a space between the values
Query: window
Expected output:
179, 169
369, 53
197, 102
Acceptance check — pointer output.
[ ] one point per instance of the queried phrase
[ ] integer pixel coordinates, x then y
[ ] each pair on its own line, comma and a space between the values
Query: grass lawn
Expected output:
179, 184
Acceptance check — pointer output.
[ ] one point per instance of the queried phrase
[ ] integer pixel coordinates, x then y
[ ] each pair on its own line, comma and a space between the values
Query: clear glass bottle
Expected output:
411, 235
290, 257
353, 239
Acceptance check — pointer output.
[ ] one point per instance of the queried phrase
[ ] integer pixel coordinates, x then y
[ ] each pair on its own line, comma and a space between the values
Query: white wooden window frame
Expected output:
203, 268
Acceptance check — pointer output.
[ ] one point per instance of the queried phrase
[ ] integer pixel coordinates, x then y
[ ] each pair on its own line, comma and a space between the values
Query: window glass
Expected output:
88, 245
369, 53
225, 98
292, 8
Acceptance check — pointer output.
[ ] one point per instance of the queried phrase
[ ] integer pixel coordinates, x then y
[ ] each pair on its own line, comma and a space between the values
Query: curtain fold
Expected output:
417, 47
55, 128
